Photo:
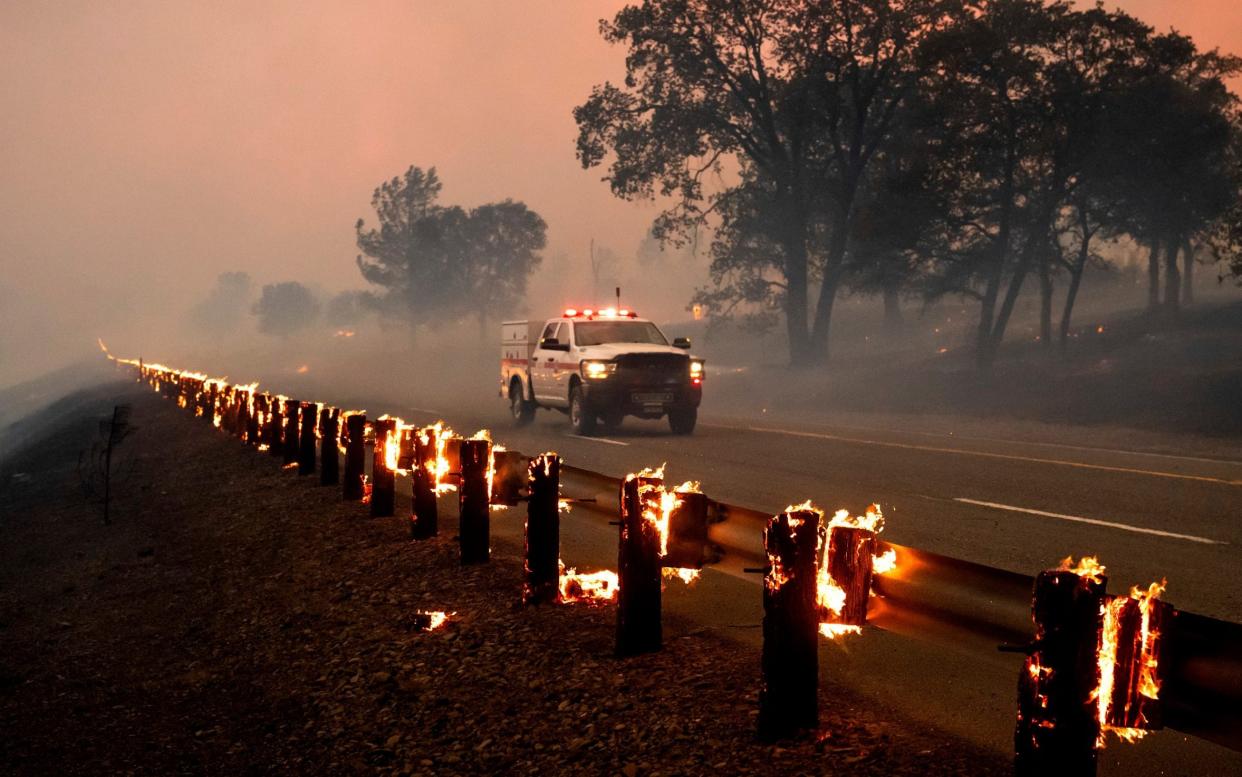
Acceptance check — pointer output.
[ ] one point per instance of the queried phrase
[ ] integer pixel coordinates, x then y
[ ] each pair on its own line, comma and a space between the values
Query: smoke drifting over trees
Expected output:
434, 262
284, 309
933, 148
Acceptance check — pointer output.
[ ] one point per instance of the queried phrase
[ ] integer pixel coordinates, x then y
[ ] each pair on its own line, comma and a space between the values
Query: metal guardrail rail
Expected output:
940, 598
951, 600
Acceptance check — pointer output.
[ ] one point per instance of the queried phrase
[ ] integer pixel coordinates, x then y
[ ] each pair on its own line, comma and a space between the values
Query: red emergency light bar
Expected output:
605, 313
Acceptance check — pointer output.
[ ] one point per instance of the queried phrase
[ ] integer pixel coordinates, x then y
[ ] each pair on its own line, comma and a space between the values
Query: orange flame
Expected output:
1088, 567
1146, 656
588, 587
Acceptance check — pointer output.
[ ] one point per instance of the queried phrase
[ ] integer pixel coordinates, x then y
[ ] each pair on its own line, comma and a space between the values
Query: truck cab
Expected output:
599, 366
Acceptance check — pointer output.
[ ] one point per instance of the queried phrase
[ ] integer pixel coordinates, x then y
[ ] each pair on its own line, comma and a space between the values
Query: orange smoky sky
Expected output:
145, 147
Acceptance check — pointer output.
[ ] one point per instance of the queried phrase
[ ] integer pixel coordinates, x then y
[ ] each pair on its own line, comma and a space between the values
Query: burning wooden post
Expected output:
639, 628
474, 504
252, 419
329, 463
789, 698
291, 431
543, 530
1057, 727
1131, 662
355, 456
306, 442
424, 517
273, 436
383, 466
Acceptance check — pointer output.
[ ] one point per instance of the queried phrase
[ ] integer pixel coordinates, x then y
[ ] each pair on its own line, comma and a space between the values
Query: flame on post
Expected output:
1137, 670
1088, 567
590, 587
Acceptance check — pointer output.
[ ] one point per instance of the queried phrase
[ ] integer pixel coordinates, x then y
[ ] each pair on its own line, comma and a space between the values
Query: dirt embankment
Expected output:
237, 619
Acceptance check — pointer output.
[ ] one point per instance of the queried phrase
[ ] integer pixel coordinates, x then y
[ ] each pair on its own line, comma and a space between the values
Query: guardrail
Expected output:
941, 598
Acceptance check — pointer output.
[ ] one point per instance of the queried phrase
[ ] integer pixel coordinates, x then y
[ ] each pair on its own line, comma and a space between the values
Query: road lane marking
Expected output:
990, 455
1092, 521
597, 439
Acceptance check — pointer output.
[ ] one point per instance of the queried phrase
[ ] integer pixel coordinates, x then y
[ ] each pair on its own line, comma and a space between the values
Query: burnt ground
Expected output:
238, 619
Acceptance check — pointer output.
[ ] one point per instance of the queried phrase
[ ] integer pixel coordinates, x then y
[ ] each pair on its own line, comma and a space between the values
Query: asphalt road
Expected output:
1011, 504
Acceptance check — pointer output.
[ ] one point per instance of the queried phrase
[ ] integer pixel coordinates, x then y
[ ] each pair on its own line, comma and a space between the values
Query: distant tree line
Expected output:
919, 148
434, 263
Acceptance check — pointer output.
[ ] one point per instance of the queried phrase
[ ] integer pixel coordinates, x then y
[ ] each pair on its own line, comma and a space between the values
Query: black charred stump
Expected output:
329, 461
474, 531
1057, 727
424, 517
639, 628
789, 698
850, 552
383, 478
291, 446
353, 484
274, 436
306, 441
543, 531
252, 419
1140, 655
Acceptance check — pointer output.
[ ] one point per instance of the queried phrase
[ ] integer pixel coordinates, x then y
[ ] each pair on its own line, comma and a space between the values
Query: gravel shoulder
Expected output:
238, 619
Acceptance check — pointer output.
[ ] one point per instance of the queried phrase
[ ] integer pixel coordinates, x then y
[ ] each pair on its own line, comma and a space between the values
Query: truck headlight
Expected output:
696, 370
598, 370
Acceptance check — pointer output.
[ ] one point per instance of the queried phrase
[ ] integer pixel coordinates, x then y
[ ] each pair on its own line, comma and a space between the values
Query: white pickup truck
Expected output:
599, 366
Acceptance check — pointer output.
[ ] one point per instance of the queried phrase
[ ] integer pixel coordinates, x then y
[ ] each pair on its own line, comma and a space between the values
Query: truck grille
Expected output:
652, 367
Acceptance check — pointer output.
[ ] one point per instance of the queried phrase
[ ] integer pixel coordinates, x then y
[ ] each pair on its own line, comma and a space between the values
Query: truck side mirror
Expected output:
681, 342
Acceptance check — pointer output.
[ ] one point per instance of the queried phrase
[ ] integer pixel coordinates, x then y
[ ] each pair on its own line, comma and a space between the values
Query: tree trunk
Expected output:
1188, 273
794, 246
991, 292
1045, 302
1172, 281
1153, 276
892, 309
1071, 294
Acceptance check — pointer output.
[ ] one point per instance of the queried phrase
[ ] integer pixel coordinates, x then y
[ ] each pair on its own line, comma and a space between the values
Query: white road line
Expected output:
597, 439
1092, 521
989, 455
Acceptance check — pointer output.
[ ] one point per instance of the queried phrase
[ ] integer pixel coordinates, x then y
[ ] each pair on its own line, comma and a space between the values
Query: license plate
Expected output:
653, 397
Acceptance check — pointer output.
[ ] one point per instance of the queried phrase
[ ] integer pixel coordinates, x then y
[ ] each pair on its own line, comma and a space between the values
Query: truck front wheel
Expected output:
682, 419
523, 411
580, 416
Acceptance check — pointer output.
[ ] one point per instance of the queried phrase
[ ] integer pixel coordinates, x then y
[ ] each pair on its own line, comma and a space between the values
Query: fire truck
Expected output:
599, 366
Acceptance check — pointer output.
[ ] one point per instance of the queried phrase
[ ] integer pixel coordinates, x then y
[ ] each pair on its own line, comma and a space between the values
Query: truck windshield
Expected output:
600, 332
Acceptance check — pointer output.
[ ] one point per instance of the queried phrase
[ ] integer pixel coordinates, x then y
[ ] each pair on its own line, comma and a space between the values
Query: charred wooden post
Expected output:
850, 552
424, 517
306, 440
274, 435
543, 531
474, 529
1137, 626
212, 395
329, 463
252, 419
1057, 727
383, 477
789, 698
639, 628
291, 445
355, 457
